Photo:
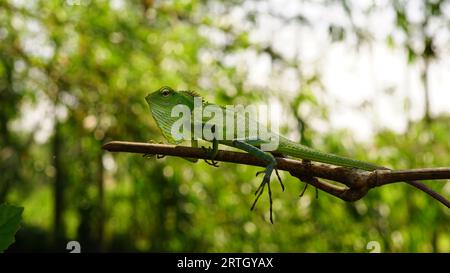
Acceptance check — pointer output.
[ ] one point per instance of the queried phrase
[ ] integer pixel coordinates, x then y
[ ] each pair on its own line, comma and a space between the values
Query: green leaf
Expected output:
10, 217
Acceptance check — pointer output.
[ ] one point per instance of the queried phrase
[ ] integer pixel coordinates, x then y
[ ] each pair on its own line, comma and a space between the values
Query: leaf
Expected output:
10, 217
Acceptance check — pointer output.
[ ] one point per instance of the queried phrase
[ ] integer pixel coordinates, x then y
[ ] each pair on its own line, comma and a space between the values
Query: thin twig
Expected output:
357, 182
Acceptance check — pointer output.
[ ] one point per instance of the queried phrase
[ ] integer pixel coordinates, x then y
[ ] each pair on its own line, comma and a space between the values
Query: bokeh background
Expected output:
365, 79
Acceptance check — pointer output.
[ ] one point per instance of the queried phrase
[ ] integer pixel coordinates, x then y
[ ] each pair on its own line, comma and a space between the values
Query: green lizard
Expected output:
162, 101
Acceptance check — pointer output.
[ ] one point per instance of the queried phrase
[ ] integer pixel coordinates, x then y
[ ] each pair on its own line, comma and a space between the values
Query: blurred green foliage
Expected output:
10, 217
83, 69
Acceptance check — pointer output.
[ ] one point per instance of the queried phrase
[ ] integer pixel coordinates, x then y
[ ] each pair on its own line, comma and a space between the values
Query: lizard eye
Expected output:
165, 92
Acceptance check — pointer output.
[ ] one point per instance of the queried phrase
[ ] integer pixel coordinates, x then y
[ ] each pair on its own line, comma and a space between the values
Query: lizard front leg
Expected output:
212, 152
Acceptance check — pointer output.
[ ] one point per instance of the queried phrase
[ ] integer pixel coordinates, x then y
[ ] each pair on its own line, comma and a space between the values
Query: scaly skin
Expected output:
163, 100
293, 149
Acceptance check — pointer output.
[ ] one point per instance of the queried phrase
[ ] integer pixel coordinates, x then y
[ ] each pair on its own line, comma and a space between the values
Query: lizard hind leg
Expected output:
271, 166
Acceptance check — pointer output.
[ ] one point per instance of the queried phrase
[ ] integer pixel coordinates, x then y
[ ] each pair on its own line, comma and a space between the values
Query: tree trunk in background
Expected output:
7, 100
4, 142
58, 221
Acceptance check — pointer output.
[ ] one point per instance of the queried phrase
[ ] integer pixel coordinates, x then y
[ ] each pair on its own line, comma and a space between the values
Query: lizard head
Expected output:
161, 103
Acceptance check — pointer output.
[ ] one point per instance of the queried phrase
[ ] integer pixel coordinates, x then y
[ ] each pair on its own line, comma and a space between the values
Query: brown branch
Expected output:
392, 176
357, 183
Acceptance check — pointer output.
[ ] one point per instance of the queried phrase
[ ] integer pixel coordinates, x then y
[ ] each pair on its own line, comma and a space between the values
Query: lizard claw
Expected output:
279, 179
258, 173
212, 163
306, 186
304, 190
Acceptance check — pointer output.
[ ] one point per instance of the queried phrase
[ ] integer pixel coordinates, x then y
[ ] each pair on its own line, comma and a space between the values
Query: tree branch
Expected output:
356, 183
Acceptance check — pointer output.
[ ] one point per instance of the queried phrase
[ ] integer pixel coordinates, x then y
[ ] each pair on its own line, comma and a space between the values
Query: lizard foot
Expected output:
210, 152
278, 176
260, 190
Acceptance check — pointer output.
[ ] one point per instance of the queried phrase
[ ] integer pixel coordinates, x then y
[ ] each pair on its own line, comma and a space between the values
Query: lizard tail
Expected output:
297, 150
